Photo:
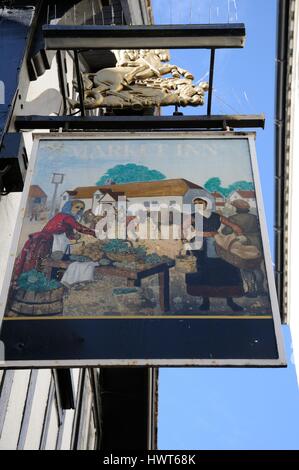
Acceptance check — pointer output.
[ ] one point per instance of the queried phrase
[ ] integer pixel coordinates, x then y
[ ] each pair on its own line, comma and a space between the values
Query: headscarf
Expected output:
200, 193
207, 211
67, 209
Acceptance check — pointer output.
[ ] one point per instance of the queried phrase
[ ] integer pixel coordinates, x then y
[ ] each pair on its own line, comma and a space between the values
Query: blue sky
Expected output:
232, 408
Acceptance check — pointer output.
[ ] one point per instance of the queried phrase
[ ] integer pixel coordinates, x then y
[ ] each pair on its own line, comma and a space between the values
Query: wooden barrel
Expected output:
29, 303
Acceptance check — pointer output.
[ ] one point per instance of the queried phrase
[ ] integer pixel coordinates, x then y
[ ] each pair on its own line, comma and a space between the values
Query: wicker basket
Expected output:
236, 260
93, 251
122, 257
186, 264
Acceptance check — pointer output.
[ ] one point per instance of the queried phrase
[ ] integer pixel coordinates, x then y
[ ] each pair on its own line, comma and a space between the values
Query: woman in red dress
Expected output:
39, 245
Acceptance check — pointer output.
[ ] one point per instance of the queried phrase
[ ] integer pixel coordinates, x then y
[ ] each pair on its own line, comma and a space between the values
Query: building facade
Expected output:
170, 193
287, 167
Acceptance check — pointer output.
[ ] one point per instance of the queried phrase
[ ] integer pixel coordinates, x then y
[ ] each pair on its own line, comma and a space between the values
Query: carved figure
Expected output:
139, 81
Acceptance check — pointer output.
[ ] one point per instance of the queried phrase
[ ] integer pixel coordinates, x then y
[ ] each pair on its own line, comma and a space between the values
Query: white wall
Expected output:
53, 429
67, 430
38, 409
14, 412
153, 200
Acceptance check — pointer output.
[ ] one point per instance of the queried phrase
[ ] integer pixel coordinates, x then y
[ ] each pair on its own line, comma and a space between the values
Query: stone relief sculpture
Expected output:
141, 78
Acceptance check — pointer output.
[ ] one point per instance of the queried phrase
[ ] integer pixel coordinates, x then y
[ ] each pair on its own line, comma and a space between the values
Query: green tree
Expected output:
243, 185
129, 173
213, 184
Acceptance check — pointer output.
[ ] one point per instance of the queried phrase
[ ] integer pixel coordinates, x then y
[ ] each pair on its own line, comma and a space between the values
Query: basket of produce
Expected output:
94, 251
121, 251
154, 258
236, 251
37, 296
122, 257
90, 249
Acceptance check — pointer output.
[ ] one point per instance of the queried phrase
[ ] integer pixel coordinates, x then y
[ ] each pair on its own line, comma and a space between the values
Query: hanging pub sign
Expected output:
141, 249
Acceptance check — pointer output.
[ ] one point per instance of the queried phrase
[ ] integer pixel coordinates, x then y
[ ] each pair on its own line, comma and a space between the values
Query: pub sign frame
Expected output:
172, 330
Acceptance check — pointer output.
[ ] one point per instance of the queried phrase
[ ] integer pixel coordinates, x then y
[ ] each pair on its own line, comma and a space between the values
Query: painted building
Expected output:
102, 200
171, 192
66, 408
219, 199
37, 201
248, 196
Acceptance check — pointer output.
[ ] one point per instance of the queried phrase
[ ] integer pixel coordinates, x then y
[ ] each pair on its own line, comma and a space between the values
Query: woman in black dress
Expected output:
215, 277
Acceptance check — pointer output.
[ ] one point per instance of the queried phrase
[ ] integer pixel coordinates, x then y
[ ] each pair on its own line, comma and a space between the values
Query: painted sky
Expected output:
84, 161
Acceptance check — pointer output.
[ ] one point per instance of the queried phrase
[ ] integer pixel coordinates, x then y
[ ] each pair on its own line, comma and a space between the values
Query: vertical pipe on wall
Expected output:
280, 146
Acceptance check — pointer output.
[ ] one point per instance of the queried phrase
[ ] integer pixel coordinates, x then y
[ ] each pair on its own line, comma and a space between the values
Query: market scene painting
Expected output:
140, 227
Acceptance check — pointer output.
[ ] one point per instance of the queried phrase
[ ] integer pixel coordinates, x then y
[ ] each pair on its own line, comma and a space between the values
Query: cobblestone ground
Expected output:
97, 298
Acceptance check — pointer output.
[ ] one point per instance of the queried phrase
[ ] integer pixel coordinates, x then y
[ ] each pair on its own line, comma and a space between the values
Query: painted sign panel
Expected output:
142, 249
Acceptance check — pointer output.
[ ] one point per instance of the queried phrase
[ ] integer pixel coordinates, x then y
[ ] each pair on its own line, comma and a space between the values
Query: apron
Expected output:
60, 242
